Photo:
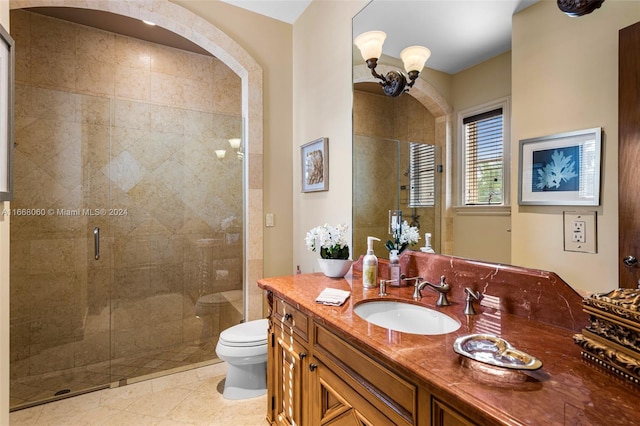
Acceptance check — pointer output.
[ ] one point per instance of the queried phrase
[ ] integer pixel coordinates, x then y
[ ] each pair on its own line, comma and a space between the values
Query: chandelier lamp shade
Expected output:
394, 83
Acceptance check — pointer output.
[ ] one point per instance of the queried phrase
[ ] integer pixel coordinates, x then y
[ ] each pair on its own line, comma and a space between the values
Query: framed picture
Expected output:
315, 165
561, 170
6, 115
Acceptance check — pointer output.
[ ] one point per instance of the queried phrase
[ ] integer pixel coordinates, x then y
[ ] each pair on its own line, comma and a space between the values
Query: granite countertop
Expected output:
566, 390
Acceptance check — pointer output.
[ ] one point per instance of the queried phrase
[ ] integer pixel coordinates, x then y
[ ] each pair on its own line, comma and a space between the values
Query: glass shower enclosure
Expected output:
126, 241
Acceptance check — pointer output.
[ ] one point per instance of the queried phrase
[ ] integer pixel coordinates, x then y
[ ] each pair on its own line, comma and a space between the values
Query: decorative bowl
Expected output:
335, 268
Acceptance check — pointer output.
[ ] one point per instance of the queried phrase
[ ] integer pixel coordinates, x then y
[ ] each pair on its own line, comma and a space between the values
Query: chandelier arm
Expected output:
379, 76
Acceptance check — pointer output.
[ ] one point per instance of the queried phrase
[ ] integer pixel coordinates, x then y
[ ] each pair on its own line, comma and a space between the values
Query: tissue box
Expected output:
612, 338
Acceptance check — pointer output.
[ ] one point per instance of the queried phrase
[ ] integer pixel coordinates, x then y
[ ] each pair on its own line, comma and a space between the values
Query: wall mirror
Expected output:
426, 115
393, 169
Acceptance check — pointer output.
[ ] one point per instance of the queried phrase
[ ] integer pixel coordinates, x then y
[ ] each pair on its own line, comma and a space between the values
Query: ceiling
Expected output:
120, 24
460, 33
283, 10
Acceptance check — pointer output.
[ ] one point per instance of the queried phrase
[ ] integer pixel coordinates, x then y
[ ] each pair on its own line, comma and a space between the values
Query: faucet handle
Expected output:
443, 289
470, 297
417, 280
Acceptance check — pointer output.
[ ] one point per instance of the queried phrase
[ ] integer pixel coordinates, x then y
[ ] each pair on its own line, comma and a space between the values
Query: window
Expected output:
483, 136
422, 175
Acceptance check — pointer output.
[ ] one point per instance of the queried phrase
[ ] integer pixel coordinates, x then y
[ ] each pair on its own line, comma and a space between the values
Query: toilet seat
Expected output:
251, 333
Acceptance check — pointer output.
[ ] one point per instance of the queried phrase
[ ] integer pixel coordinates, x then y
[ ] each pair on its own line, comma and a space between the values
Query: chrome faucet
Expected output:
442, 289
417, 281
471, 296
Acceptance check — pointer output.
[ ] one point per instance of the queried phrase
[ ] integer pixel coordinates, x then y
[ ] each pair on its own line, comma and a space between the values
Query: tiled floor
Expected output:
192, 397
30, 389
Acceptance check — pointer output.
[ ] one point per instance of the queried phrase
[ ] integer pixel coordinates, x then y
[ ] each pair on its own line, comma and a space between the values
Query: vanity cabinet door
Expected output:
336, 403
444, 415
290, 381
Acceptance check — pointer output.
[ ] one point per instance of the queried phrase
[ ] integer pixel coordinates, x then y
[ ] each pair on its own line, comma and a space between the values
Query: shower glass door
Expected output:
126, 224
126, 242
60, 312
175, 236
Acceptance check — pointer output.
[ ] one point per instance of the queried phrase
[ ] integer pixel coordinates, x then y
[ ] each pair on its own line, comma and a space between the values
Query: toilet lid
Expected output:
251, 333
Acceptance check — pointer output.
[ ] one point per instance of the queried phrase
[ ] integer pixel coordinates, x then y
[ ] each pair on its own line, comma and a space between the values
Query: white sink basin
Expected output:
406, 317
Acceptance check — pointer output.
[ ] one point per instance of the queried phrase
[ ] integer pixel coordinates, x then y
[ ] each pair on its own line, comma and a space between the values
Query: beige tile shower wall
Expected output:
378, 117
109, 121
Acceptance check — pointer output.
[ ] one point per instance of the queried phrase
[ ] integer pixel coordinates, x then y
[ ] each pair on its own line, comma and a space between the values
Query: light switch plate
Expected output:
580, 232
268, 220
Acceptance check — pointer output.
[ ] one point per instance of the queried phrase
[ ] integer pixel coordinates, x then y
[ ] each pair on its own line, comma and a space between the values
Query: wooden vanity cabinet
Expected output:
318, 378
288, 365
443, 415
352, 388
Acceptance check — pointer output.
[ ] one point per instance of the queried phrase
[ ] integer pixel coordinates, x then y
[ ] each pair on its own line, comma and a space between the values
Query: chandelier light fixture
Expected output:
394, 83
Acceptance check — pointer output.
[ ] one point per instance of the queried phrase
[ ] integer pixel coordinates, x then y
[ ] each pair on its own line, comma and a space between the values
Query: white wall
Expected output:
322, 102
565, 77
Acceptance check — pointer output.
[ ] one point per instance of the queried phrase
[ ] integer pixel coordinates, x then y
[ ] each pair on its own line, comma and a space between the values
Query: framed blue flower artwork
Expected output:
561, 169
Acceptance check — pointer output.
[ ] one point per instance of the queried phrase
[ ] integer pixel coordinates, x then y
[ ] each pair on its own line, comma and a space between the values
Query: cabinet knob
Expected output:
630, 261
302, 355
287, 317
312, 367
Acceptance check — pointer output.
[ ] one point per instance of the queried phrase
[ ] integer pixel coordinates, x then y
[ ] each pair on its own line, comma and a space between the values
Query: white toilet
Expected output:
244, 348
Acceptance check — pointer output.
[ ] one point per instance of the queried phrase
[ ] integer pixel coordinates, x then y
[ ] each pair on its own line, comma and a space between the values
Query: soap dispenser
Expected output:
370, 265
427, 244
394, 268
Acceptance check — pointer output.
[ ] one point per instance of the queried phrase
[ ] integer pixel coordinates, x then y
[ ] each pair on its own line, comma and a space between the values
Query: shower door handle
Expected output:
96, 242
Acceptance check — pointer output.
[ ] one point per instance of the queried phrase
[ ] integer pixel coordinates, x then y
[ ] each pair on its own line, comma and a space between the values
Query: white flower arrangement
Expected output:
403, 236
331, 240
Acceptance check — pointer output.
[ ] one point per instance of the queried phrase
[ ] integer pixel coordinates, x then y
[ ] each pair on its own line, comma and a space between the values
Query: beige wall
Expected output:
487, 81
269, 42
4, 283
480, 233
565, 77
322, 108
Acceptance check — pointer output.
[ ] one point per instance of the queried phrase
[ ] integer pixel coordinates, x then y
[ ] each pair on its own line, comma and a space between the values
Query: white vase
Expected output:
335, 268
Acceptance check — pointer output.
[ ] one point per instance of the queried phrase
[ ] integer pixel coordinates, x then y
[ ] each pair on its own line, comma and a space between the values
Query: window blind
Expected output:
484, 158
422, 175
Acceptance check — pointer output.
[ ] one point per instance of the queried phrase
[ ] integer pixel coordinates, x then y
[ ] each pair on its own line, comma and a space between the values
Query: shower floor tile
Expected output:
34, 389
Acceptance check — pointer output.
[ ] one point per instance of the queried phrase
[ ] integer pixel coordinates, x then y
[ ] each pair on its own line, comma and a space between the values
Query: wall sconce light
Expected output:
220, 153
235, 143
394, 83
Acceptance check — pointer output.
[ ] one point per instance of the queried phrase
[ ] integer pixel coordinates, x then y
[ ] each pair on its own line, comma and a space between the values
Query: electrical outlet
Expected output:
580, 232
